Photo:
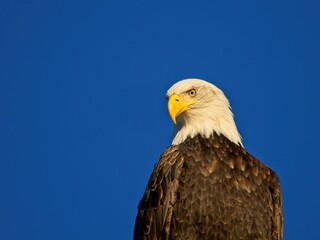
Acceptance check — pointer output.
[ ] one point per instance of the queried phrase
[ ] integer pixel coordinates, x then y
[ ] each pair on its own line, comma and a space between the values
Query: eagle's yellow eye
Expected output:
192, 92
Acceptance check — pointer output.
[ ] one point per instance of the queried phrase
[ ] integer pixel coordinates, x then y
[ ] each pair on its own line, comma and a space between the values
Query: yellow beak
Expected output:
176, 106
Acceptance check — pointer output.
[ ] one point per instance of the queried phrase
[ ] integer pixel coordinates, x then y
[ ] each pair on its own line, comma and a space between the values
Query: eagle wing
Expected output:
155, 208
277, 219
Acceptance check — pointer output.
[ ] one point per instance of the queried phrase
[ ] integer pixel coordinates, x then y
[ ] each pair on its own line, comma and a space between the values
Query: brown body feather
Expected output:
210, 189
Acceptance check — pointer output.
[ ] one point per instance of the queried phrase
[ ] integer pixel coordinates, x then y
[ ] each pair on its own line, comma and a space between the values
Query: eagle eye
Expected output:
192, 92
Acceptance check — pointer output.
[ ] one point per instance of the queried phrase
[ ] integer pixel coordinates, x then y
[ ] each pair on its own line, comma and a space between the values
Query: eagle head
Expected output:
199, 107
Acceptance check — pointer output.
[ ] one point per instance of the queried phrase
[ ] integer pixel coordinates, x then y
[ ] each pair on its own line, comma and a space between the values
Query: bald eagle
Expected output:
206, 185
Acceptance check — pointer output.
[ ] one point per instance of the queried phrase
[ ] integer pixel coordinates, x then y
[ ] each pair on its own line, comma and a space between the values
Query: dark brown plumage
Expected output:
210, 188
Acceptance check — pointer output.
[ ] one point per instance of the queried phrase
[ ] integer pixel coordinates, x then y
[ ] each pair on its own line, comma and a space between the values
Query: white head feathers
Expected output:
209, 112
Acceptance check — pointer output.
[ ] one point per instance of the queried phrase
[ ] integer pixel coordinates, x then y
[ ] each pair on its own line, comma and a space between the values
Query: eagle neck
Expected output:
206, 127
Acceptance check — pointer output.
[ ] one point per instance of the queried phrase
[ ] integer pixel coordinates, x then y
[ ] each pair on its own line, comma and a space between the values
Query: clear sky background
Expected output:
83, 115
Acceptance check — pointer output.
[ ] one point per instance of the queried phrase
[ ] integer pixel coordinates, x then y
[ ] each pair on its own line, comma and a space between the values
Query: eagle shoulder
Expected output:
263, 175
155, 208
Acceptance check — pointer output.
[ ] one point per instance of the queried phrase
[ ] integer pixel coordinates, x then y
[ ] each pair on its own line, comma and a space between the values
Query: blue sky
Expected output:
83, 115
